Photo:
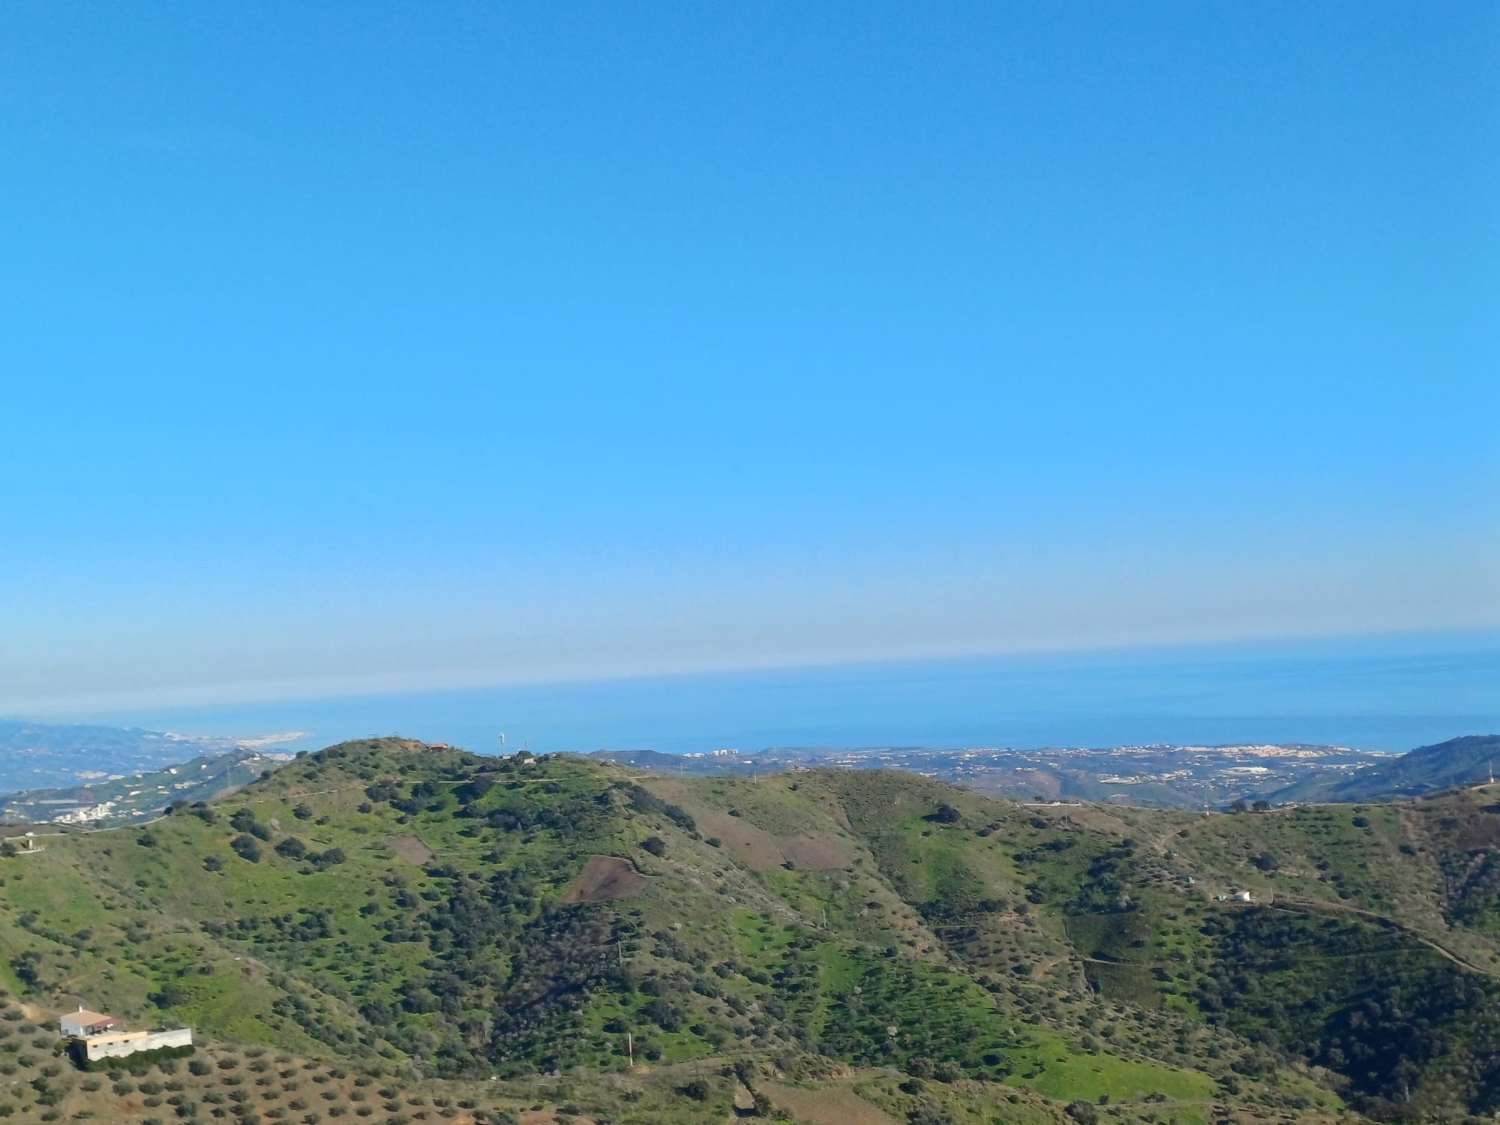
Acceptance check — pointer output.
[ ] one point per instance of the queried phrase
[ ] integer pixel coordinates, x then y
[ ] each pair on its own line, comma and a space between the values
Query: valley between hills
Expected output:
389, 932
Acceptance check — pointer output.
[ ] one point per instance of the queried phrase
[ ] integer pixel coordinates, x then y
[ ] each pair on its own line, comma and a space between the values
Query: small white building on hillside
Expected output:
83, 1023
122, 1044
97, 1036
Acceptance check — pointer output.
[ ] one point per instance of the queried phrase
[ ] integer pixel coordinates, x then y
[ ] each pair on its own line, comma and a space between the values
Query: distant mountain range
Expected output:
141, 796
1156, 776
96, 774
1140, 776
1427, 769
66, 756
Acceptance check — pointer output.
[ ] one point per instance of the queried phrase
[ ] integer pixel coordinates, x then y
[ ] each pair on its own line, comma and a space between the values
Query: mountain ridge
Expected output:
447, 916
1466, 760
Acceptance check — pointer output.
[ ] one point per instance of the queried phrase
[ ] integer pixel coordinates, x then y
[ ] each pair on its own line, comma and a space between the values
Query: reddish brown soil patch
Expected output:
832, 1105
410, 849
756, 848
603, 878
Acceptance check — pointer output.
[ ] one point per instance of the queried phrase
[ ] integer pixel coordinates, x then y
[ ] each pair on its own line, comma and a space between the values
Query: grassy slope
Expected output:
1073, 952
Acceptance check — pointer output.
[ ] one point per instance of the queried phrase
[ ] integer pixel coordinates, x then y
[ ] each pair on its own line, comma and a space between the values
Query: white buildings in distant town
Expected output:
98, 1036
85, 815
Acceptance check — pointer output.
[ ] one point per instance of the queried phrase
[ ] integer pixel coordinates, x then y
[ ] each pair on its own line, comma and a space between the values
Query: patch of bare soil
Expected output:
744, 1100
410, 849
831, 1105
815, 853
759, 850
756, 848
603, 879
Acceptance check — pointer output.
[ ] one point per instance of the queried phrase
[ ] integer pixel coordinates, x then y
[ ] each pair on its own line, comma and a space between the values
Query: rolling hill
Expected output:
559, 935
1427, 769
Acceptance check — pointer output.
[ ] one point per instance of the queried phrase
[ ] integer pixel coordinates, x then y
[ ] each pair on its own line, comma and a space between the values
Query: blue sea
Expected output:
1388, 693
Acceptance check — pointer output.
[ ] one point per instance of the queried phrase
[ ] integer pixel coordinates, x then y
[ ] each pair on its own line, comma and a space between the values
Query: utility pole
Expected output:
630, 1048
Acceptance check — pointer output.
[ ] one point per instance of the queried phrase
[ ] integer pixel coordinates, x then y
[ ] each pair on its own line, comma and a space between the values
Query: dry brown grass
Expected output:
603, 879
832, 1105
410, 849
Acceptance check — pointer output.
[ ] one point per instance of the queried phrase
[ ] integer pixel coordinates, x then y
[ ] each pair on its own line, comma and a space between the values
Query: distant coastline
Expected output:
1381, 694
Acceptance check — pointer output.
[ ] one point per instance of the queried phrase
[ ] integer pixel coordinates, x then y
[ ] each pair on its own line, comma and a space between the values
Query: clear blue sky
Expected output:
353, 345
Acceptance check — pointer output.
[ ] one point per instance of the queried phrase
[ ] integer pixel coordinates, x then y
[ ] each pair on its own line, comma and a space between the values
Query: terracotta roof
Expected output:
88, 1018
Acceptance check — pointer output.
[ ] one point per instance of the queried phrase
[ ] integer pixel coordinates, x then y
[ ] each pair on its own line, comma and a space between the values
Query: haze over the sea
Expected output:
1387, 693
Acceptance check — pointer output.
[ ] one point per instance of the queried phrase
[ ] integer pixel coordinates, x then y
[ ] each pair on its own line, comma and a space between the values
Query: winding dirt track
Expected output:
1313, 906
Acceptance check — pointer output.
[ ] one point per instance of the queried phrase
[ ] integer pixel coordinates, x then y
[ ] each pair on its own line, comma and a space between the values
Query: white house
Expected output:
83, 1023
118, 1046
98, 1036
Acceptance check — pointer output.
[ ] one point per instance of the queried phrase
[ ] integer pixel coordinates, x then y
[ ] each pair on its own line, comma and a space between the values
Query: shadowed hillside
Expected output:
1427, 769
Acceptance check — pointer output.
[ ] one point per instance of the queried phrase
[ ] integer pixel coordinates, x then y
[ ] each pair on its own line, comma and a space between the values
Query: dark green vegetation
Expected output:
1427, 769
427, 914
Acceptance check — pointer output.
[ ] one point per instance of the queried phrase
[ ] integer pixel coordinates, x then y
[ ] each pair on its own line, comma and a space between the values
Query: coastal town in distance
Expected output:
1158, 776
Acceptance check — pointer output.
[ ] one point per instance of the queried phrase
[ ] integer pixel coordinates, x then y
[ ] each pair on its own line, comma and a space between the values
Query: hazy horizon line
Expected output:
351, 687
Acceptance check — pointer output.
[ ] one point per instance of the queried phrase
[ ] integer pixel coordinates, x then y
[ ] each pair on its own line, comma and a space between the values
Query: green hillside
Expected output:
864, 940
1427, 769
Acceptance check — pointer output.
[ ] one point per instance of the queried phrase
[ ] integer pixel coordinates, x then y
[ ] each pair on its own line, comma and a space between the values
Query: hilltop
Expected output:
871, 940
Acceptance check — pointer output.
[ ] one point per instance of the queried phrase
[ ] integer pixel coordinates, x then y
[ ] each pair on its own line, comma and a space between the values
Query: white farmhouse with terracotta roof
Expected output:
84, 1023
98, 1036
